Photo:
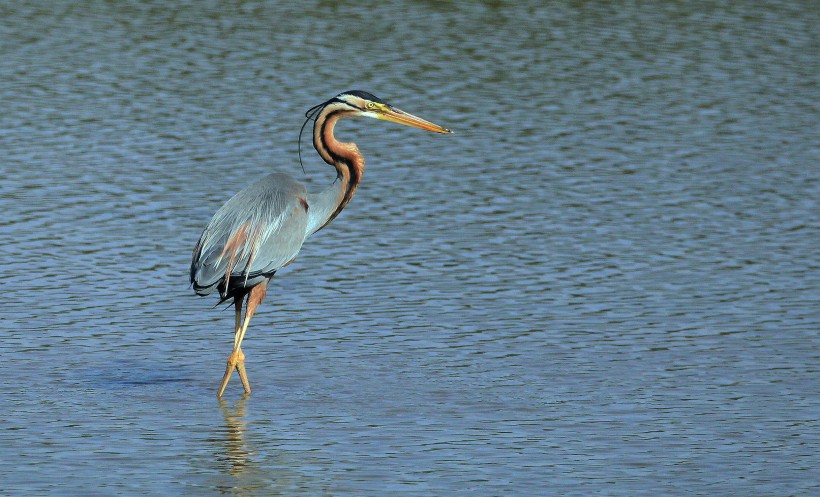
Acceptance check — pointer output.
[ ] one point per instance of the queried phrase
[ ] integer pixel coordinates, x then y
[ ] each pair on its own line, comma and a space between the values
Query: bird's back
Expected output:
252, 235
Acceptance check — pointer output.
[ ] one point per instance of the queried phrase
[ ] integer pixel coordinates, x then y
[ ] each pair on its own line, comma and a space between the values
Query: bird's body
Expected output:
255, 233
262, 228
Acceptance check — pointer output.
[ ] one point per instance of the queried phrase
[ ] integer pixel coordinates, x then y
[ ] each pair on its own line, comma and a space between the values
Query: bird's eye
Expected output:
370, 105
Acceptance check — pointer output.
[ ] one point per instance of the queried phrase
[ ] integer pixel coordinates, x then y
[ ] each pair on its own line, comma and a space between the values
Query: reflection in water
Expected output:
252, 463
254, 466
236, 452
237, 456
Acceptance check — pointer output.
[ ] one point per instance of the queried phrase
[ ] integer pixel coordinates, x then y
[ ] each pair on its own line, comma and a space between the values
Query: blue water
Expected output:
604, 283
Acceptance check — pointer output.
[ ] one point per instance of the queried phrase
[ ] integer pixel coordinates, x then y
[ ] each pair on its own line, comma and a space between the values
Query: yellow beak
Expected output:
395, 115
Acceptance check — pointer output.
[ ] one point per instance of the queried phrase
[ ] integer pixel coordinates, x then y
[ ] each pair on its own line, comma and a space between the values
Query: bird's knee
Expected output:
236, 357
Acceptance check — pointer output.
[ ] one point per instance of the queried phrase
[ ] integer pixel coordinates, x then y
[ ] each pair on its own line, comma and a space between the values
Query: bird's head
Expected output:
359, 103
362, 103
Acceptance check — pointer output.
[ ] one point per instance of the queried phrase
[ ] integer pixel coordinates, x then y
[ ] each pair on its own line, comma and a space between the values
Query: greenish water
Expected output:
604, 283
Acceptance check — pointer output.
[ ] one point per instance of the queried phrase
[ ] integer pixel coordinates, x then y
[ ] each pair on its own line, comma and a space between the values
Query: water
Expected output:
605, 283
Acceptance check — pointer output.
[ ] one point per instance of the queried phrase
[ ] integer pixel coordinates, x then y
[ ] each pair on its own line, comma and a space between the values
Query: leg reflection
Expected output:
237, 452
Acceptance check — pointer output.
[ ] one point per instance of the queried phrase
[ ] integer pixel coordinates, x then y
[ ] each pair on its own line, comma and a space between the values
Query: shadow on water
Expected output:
118, 375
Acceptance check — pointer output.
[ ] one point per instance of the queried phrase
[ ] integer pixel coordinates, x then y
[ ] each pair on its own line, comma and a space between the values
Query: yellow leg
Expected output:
234, 357
237, 358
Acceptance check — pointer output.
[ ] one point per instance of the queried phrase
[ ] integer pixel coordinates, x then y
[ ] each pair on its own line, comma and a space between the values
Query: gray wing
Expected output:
255, 233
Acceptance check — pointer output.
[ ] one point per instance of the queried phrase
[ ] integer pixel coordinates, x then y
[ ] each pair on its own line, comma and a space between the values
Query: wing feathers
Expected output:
255, 233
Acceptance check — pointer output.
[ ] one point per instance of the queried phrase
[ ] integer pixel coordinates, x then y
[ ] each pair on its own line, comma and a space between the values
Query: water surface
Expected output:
605, 282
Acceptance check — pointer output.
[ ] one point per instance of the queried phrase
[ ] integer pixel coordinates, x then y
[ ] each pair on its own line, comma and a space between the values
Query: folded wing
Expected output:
255, 233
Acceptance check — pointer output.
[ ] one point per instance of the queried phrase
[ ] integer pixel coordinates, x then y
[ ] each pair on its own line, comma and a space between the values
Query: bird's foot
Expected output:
235, 361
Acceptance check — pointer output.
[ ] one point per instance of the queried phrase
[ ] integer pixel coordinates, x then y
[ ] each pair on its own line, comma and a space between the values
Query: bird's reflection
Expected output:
248, 466
237, 453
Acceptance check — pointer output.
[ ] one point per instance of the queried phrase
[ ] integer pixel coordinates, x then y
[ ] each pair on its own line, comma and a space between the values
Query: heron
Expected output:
262, 228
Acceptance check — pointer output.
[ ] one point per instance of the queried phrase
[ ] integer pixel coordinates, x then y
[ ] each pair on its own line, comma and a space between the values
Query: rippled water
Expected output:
605, 283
